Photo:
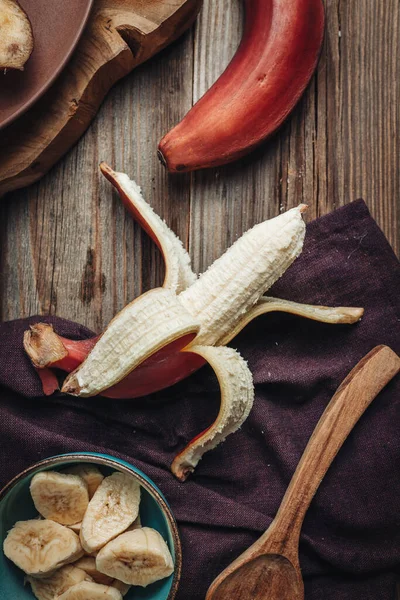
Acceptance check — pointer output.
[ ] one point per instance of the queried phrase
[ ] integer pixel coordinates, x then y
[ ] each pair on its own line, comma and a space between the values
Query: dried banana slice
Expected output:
88, 590
76, 527
59, 497
88, 564
90, 474
38, 547
137, 557
122, 587
49, 588
16, 36
113, 508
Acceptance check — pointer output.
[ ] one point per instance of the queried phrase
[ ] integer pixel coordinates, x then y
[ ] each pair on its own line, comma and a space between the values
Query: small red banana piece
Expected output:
271, 69
47, 351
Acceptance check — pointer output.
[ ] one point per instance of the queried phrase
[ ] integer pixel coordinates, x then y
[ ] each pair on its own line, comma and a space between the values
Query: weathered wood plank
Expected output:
68, 246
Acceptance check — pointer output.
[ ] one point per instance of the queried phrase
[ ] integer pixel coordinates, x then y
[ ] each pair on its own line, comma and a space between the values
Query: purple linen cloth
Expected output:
350, 543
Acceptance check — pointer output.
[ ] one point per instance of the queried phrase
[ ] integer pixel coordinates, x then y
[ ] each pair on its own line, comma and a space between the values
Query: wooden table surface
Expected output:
67, 245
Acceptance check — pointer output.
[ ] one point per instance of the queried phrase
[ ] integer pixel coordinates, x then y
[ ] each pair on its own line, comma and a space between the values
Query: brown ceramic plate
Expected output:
57, 26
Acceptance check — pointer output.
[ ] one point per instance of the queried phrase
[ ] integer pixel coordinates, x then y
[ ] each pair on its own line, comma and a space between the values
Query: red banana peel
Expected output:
168, 333
166, 367
272, 67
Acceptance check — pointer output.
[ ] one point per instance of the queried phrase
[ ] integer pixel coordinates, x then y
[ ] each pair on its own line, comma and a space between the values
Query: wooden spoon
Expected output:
270, 569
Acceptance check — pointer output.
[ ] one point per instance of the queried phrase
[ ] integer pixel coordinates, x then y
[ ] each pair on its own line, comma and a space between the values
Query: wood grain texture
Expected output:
120, 35
270, 568
67, 246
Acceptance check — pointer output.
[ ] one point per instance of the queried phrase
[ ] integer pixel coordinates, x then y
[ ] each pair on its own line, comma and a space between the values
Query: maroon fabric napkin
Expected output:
350, 544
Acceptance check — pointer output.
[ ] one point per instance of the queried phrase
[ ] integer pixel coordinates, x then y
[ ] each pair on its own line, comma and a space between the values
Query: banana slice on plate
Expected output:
50, 587
38, 547
89, 473
16, 39
113, 508
59, 497
138, 557
88, 564
90, 591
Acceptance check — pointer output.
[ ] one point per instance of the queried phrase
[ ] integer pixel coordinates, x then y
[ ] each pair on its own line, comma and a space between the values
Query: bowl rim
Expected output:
121, 465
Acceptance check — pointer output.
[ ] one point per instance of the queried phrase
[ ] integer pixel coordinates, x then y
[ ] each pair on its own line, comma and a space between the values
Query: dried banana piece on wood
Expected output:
16, 36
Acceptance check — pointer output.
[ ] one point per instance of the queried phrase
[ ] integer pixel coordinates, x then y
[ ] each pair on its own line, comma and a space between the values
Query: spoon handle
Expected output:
350, 401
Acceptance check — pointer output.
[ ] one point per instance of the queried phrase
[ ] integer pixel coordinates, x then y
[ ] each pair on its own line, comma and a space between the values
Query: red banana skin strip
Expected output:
163, 369
271, 69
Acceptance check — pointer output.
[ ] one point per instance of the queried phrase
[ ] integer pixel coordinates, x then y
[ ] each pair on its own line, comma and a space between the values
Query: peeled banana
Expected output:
39, 547
88, 590
60, 497
138, 557
139, 351
90, 474
113, 508
49, 588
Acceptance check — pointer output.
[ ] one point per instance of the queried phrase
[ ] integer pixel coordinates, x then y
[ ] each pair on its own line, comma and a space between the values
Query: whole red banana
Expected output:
260, 87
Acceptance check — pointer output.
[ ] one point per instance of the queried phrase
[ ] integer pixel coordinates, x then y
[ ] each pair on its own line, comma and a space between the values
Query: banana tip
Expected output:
71, 386
180, 470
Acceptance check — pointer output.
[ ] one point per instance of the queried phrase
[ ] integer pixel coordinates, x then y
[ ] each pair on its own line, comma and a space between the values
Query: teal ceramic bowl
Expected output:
16, 505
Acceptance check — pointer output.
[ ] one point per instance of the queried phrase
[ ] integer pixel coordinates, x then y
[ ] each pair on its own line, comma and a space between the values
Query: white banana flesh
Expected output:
236, 281
88, 565
113, 508
213, 308
322, 314
237, 395
138, 557
88, 590
39, 547
49, 588
143, 327
178, 271
122, 587
90, 474
60, 497
137, 523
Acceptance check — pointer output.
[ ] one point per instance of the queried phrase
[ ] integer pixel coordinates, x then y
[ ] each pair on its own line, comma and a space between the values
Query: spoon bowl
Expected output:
270, 568
265, 577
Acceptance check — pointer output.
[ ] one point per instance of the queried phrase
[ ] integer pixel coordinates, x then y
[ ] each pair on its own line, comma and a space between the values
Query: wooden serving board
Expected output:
120, 35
